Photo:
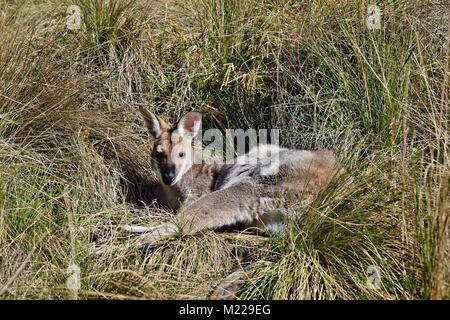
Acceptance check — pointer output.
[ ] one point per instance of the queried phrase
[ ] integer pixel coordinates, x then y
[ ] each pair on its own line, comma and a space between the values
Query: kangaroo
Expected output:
214, 195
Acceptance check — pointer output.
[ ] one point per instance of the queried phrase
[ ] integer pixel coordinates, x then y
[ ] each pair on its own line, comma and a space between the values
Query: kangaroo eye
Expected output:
181, 154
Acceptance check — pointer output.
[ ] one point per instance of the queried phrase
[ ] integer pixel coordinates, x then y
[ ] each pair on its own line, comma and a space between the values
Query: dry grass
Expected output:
74, 152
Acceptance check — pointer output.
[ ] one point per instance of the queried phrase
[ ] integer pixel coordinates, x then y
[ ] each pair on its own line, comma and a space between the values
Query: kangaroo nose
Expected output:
168, 177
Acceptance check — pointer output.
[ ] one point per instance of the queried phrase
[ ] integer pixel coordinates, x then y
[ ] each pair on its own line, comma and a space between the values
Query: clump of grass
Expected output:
74, 153
109, 25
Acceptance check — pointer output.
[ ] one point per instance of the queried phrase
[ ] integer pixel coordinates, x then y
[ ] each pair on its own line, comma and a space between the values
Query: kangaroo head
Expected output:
172, 155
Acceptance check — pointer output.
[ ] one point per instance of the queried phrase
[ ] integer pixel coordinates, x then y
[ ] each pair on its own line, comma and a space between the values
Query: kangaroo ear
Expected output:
190, 124
154, 123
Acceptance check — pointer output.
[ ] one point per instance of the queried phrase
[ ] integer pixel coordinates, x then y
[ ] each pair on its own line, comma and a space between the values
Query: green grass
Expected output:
74, 153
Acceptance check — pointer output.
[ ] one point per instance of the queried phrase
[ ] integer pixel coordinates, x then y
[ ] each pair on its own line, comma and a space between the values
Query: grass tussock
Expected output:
74, 152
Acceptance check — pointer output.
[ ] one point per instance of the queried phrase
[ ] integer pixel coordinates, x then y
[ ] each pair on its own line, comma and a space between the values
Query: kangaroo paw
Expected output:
230, 285
148, 242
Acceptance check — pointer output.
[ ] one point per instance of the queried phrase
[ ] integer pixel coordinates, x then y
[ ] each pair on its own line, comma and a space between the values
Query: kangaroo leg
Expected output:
237, 204
134, 229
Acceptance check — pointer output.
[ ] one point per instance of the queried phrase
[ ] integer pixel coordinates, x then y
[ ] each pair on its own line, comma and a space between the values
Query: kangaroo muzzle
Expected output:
168, 174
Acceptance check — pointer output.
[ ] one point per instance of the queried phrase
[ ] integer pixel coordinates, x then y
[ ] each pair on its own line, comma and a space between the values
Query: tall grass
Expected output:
74, 153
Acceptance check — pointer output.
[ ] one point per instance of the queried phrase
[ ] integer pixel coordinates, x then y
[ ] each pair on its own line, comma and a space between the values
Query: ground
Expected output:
74, 153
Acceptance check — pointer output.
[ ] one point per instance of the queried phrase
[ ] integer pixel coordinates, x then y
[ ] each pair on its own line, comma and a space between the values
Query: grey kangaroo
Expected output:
247, 191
